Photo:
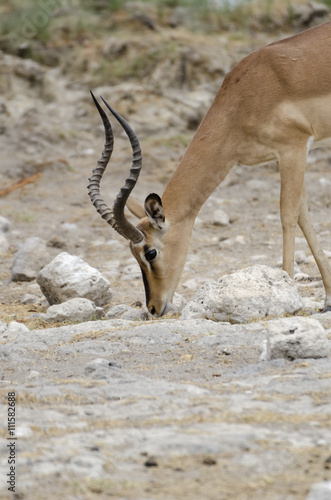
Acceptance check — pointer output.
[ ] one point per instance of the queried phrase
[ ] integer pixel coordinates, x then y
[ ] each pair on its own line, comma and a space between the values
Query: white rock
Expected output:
191, 284
312, 304
3, 327
23, 431
131, 269
68, 276
324, 182
33, 288
320, 491
4, 224
88, 151
192, 310
117, 311
293, 338
98, 364
67, 226
126, 312
231, 242
136, 314
13, 330
257, 185
111, 275
29, 260
30, 298
115, 244
131, 272
220, 218
76, 309
258, 258
4, 243
252, 293
178, 303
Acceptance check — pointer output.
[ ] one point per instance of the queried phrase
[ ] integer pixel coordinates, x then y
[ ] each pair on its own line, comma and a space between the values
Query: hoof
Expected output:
326, 309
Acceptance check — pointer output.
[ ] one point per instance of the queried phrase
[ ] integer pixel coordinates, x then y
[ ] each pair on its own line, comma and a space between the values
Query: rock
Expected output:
131, 272
126, 312
4, 243
177, 17
151, 462
252, 293
30, 298
117, 311
192, 310
13, 330
68, 276
34, 288
304, 16
29, 70
312, 304
29, 260
220, 218
324, 318
95, 347
324, 182
233, 242
4, 224
114, 47
136, 314
77, 309
3, 326
191, 284
320, 491
257, 185
67, 226
96, 364
293, 338
101, 368
178, 303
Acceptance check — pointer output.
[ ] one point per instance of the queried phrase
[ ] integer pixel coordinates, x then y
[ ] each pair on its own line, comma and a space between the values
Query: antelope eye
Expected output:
150, 255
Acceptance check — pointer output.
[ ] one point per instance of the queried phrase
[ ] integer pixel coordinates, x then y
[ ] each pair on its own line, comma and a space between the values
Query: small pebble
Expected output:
151, 462
209, 461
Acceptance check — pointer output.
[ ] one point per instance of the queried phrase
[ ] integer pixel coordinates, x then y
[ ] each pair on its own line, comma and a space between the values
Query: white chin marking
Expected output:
167, 307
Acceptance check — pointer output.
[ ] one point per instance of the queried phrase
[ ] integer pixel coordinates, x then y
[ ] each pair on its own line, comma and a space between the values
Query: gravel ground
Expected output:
162, 409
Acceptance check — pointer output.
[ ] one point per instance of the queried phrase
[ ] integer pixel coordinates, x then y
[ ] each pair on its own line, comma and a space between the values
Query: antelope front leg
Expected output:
292, 177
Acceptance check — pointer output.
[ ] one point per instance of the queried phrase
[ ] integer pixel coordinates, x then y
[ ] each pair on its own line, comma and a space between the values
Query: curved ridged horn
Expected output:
115, 216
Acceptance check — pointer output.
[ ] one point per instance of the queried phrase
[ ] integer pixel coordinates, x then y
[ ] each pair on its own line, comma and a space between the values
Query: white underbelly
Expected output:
319, 144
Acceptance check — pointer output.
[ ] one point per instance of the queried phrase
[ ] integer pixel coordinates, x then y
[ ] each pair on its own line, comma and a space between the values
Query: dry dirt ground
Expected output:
49, 126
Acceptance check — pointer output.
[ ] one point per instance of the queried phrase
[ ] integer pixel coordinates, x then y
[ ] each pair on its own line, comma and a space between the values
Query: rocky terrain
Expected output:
125, 406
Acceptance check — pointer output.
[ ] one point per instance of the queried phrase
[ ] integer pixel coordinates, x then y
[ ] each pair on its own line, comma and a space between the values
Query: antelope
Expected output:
274, 105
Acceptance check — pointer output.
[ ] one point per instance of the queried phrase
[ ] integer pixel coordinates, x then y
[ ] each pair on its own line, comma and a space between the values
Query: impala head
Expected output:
154, 242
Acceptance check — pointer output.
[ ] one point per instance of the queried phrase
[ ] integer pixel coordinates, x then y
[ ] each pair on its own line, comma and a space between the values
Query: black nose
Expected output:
153, 310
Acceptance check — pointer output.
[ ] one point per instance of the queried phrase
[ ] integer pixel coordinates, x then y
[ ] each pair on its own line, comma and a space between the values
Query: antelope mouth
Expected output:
163, 310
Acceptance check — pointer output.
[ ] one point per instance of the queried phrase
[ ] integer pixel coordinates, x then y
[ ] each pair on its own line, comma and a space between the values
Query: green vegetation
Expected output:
52, 21
74, 32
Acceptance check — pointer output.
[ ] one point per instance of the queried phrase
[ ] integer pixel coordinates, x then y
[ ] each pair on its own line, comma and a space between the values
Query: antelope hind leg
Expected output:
316, 249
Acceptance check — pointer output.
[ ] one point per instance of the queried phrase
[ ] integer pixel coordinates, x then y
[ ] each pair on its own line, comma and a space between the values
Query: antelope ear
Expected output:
154, 211
135, 207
